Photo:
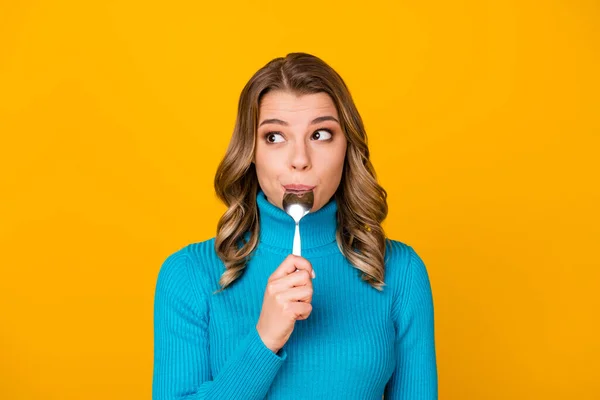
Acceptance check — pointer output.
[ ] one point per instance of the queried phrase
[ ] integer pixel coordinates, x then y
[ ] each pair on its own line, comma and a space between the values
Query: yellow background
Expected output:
484, 127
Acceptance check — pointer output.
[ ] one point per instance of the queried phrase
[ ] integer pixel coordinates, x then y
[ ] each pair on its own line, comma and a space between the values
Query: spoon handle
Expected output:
296, 248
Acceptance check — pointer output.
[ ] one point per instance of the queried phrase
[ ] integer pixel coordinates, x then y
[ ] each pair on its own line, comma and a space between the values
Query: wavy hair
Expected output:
362, 202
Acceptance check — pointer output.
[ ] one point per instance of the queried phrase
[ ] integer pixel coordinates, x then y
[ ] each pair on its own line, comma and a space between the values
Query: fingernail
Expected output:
313, 274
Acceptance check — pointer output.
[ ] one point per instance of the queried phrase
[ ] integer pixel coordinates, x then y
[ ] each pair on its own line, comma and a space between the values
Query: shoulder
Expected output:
399, 256
193, 264
396, 251
403, 268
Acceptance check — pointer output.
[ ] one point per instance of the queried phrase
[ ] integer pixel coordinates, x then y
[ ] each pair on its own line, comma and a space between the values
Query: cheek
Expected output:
336, 158
331, 171
262, 157
267, 164
337, 167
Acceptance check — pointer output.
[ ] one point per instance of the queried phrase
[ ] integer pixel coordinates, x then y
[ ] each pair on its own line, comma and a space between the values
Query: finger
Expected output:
300, 278
300, 310
300, 293
312, 272
289, 265
302, 263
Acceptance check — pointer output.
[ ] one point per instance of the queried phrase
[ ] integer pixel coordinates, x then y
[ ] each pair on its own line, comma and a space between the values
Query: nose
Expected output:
300, 159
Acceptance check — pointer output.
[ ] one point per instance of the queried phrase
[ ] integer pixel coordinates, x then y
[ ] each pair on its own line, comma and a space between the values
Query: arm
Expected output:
415, 376
181, 349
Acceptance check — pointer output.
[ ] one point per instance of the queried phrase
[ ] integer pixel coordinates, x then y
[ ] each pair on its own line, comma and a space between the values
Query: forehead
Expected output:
280, 103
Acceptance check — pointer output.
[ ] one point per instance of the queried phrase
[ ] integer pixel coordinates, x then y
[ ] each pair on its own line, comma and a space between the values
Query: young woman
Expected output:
239, 317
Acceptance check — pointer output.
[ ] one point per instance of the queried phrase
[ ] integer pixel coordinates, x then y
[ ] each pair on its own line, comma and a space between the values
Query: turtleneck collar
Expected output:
277, 228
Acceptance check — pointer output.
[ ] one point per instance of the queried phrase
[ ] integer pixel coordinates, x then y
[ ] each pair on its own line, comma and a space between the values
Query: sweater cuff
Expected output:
251, 369
258, 349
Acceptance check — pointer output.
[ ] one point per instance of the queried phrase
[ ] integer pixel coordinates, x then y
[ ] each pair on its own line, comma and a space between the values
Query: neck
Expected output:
277, 228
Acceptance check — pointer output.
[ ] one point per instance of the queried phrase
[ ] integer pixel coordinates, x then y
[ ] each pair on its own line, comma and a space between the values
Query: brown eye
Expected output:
327, 134
270, 135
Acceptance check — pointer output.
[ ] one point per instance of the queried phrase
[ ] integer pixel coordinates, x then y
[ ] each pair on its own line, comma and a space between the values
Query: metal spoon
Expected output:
297, 205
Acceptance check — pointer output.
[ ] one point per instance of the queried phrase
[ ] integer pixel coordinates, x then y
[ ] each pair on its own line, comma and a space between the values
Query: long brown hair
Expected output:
362, 202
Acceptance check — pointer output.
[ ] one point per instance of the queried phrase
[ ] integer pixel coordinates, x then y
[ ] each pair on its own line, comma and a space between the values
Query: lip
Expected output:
297, 187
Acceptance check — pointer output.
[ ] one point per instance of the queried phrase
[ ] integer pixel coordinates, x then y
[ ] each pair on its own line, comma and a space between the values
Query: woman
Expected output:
238, 317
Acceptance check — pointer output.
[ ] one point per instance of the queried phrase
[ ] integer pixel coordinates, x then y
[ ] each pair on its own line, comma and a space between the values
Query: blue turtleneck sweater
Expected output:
357, 343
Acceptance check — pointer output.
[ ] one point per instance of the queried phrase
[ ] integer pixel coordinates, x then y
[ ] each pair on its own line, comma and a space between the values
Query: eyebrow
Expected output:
314, 121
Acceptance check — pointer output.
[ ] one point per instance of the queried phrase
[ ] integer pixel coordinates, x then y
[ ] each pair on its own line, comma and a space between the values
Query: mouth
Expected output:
298, 188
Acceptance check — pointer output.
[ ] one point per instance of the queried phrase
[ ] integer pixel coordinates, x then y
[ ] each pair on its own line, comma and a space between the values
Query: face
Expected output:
299, 141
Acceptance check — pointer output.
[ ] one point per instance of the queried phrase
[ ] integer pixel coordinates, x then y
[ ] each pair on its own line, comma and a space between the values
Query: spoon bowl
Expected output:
297, 205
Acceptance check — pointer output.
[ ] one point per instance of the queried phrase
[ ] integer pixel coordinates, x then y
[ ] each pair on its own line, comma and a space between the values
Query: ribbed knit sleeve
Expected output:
415, 375
181, 348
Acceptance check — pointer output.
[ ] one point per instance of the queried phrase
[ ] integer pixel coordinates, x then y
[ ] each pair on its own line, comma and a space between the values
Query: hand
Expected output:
287, 299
